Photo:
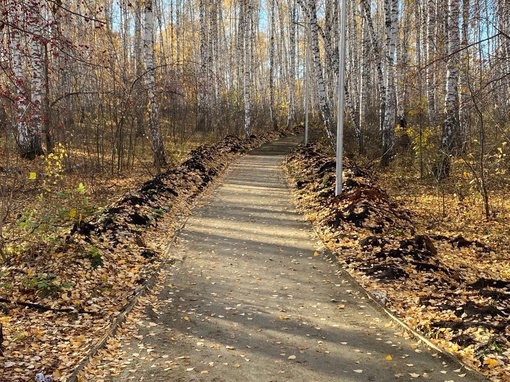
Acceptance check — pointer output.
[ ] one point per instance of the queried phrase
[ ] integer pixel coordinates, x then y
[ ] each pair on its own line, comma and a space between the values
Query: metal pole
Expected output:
340, 120
307, 85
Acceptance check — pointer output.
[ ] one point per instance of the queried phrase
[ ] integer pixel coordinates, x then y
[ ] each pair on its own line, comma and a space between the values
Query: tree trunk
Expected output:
388, 133
292, 63
203, 80
431, 68
28, 120
463, 78
364, 82
450, 134
324, 106
138, 86
246, 47
376, 50
272, 26
150, 83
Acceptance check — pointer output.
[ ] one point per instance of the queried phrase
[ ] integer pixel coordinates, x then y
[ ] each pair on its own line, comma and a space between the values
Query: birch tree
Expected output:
245, 29
272, 26
324, 106
431, 69
150, 83
28, 106
450, 131
378, 60
292, 62
203, 72
388, 132
364, 81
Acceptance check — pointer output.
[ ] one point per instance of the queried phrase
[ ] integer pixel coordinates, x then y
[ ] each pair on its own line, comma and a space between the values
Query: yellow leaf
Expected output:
389, 358
72, 213
316, 253
32, 175
491, 362
57, 374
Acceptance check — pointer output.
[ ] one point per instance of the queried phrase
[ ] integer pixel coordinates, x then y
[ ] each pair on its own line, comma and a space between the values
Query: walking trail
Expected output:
250, 298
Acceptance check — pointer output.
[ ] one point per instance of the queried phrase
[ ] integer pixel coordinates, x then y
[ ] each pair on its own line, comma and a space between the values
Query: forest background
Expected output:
99, 96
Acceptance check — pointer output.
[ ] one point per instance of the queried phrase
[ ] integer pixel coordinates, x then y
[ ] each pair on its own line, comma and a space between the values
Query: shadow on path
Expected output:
251, 300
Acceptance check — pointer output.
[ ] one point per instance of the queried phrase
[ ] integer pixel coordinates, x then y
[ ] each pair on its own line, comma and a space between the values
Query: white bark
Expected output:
324, 106
292, 63
138, 70
202, 75
463, 76
272, 26
28, 121
388, 133
364, 79
450, 135
21, 101
430, 71
150, 83
245, 31
402, 85
377, 52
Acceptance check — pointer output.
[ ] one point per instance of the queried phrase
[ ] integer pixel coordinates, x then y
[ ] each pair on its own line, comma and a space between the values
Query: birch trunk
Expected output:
364, 81
388, 133
463, 77
376, 50
322, 96
450, 133
21, 101
430, 71
150, 83
403, 68
272, 26
203, 83
38, 82
28, 121
246, 46
138, 88
292, 63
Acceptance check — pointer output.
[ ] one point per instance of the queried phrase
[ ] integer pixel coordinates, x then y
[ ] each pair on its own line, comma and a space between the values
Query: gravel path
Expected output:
251, 298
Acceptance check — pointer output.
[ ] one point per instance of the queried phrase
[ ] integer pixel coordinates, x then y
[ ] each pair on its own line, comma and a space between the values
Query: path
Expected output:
250, 300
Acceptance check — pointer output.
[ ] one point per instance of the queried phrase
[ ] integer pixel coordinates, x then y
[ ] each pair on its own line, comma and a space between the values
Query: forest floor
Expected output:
431, 259
65, 279
59, 297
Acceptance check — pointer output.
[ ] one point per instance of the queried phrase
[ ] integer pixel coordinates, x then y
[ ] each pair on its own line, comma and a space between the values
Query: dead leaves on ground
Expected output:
454, 290
83, 284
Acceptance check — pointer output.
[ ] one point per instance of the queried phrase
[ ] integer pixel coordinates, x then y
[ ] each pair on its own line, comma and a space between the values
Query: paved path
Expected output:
250, 300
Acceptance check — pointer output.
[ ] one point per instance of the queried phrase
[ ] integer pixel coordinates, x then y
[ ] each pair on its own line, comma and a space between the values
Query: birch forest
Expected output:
99, 97
113, 79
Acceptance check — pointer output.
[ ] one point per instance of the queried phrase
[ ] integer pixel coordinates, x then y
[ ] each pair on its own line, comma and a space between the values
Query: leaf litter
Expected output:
454, 290
58, 303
